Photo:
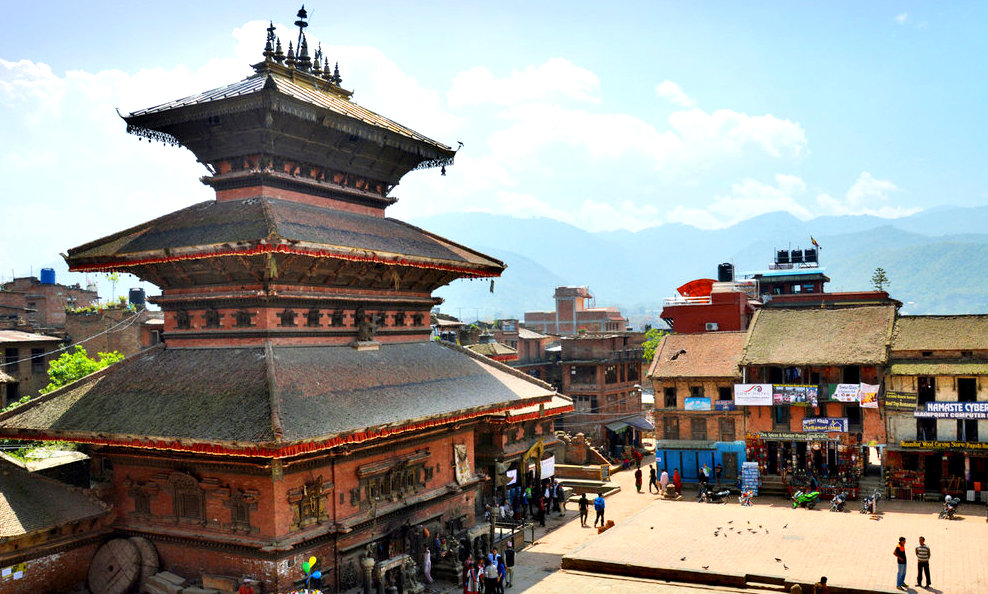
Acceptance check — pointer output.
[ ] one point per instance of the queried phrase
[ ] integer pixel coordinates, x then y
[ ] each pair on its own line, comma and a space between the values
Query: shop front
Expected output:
828, 462
932, 469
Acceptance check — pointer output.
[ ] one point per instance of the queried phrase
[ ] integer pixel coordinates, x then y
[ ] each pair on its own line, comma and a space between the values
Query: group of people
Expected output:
536, 503
491, 574
922, 563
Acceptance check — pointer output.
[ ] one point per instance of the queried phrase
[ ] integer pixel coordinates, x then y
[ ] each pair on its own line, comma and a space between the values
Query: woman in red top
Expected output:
677, 481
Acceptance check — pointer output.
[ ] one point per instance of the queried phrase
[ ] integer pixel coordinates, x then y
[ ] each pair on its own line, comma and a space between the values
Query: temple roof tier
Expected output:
276, 401
252, 227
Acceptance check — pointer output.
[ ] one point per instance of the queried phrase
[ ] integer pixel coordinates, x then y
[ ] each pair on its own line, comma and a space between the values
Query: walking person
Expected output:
472, 578
427, 565
584, 509
922, 563
490, 577
598, 506
502, 575
509, 562
638, 479
900, 560
542, 511
652, 482
705, 474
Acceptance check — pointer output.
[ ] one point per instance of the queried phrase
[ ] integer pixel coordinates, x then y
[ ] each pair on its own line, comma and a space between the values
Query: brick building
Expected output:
120, 329
602, 374
938, 360
39, 304
25, 363
297, 407
696, 421
821, 374
573, 314
49, 531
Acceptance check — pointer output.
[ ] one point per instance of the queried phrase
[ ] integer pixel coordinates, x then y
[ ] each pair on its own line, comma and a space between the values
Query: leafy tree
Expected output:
76, 364
879, 280
652, 338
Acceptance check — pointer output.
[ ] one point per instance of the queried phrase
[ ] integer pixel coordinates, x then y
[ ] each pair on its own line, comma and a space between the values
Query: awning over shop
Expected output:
637, 422
934, 368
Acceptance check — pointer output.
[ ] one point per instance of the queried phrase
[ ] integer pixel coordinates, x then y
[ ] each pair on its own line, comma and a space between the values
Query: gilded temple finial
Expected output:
269, 43
290, 59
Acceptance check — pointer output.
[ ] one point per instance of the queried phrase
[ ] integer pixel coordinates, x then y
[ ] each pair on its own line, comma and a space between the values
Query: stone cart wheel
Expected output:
115, 567
149, 558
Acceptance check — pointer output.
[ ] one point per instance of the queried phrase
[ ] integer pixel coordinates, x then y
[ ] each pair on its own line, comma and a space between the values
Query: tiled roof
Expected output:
941, 333
31, 503
242, 397
525, 333
212, 227
257, 83
492, 349
710, 354
18, 336
837, 336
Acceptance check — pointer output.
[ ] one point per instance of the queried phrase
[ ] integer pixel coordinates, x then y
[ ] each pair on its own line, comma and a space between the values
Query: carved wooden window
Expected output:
244, 319
337, 319
417, 319
212, 318
400, 319
287, 318
240, 513
189, 500
182, 321
312, 318
142, 503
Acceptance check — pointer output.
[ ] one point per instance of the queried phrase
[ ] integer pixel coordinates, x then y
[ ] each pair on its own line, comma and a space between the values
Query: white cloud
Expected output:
748, 198
671, 92
557, 77
867, 196
901, 18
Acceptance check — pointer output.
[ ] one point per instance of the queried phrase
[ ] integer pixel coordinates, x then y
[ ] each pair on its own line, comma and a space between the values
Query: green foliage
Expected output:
74, 365
879, 279
118, 303
652, 338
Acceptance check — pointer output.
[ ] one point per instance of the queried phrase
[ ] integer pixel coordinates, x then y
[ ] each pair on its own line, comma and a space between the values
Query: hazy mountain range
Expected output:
936, 260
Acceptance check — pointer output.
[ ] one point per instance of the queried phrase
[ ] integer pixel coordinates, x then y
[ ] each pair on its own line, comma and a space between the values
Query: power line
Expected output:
124, 323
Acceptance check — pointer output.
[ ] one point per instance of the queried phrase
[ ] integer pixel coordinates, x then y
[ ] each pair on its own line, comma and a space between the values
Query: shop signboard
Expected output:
789, 436
944, 445
753, 394
697, 403
953, 410
869, 395
896, 400
724, 405
846, 393
794, 395
824, 424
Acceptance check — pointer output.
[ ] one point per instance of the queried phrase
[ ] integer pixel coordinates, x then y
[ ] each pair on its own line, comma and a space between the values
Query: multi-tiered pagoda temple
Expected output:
298, 407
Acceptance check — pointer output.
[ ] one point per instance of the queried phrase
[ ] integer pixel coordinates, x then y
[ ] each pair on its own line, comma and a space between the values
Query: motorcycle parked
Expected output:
807, 500
837, 503
949, 508
706, 495
745, 498
869, 505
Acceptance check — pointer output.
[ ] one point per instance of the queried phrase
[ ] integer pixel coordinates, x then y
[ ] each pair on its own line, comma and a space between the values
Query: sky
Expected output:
606, 116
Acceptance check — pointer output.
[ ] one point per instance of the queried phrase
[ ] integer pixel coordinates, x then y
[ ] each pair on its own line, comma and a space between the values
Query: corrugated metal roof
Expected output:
18, 336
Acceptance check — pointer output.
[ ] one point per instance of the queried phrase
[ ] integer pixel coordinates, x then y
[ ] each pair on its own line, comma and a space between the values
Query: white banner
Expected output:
847, 393
869, 396
549, 467
512, 477
753, 394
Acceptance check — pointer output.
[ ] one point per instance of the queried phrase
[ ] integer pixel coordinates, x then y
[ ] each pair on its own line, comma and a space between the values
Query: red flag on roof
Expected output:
700, 287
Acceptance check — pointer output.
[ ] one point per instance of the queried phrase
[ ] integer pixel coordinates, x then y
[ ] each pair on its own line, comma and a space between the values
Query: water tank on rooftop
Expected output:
725, 272
137, 297
48, 276
797, 256
810, 256
782, 257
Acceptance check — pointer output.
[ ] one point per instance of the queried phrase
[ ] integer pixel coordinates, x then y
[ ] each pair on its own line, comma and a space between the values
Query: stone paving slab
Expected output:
852, 549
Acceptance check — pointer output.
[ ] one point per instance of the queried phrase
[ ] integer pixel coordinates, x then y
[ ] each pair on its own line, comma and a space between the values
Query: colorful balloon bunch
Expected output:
310, 574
